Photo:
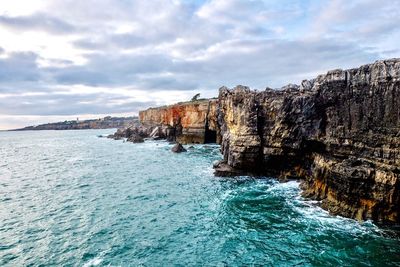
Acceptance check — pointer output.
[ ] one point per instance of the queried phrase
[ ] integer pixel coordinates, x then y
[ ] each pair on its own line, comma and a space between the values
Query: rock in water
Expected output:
178, 148
224, 170
135, 138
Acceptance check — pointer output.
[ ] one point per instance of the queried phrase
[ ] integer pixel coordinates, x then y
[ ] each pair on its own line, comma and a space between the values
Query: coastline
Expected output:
321, 132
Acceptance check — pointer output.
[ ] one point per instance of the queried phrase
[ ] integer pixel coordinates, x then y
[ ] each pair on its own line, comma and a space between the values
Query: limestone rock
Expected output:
339, 132
187, 122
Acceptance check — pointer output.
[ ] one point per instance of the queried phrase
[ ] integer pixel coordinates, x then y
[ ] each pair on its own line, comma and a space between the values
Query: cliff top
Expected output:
199, 101
377, 72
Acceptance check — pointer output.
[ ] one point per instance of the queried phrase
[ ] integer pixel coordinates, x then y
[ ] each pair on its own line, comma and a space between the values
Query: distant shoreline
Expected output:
101, 123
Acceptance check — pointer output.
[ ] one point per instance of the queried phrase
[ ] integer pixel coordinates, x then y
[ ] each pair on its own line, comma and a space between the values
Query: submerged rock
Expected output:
178, 148
115, 137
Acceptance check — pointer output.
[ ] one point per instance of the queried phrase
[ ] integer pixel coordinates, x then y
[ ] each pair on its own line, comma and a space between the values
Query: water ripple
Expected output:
69, 198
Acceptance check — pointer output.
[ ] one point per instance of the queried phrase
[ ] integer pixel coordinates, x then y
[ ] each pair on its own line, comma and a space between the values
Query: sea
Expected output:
70, 198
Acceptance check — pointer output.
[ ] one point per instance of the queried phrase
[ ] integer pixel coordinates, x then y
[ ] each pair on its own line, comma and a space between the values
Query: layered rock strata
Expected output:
339, 132
187, 122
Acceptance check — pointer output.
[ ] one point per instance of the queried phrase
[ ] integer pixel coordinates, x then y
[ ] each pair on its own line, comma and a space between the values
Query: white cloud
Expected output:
21, 7
98, 56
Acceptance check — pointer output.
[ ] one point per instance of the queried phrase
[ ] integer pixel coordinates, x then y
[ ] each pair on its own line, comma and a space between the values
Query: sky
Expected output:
63, 59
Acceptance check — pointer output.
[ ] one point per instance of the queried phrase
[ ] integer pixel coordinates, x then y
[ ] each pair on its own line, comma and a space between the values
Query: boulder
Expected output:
135, 138
178, 148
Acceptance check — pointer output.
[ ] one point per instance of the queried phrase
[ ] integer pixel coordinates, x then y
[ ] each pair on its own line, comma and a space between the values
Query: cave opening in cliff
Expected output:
210, 136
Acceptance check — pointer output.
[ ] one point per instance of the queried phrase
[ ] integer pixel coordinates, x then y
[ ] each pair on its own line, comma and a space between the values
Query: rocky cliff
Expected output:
339, 132
187, 122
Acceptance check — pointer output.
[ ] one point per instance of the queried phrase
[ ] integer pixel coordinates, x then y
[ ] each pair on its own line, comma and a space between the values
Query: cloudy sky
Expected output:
62, 59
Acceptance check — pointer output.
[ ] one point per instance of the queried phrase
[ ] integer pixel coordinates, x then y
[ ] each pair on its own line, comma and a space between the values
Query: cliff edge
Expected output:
340, 132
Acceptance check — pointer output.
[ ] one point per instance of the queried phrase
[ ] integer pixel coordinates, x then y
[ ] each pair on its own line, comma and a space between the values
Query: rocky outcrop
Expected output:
135, 138
339, 132
188, 122
134, 130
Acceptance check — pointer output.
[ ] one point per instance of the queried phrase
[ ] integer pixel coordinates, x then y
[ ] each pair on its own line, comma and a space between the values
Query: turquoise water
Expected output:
68, 198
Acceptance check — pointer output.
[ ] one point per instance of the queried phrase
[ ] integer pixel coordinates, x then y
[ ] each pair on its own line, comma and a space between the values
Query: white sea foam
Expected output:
93, 262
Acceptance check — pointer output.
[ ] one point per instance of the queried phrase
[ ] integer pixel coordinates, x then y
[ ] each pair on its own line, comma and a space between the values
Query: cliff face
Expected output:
189, 122
339, 132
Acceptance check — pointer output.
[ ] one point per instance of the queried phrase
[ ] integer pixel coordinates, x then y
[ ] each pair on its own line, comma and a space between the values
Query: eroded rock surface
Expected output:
188, 122
339, 132
132, 133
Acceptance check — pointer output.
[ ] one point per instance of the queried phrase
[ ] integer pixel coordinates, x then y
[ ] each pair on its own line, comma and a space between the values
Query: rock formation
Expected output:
187, 122
135, 138
339, 132
134, 131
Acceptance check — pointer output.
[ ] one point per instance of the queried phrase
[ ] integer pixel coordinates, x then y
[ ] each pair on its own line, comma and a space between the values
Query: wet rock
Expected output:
135, 138
222, 169
178, 148
115, 137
